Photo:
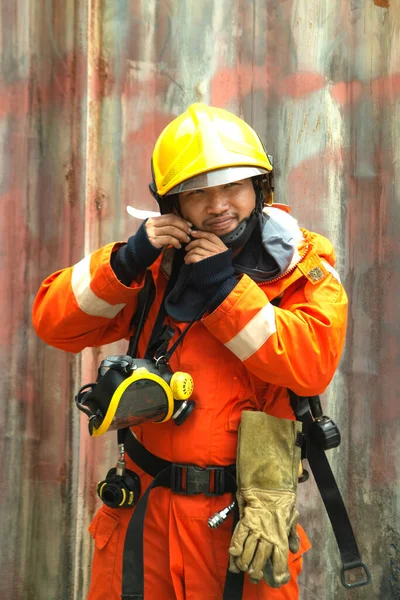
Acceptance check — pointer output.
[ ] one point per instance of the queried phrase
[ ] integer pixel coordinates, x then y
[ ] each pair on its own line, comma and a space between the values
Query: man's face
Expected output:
219, 209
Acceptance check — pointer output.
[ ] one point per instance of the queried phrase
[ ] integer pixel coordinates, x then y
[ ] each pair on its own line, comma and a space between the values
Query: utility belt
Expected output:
184, 478
190, 480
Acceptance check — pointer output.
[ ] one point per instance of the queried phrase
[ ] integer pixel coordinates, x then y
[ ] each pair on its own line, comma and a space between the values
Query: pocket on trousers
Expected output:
105, 530
102, 527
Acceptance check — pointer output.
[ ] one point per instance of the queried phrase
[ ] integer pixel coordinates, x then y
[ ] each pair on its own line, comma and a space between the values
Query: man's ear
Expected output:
168, 205
175, 206
267, 191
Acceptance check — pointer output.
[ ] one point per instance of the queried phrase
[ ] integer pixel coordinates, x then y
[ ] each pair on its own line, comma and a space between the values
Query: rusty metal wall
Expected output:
85, 89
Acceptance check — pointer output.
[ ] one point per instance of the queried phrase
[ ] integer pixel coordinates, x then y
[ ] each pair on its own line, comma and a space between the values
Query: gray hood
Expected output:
273, 249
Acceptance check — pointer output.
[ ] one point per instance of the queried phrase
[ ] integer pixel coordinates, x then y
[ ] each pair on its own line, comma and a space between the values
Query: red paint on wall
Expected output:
36, 92
150, 129
382, 89
301, 84
386, 87
243, 78
346, 92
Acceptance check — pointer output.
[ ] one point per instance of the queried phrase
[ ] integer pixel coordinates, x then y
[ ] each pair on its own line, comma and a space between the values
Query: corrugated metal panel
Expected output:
85, 90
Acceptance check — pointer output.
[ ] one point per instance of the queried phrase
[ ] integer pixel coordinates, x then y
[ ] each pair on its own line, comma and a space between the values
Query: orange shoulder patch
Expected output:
313, 268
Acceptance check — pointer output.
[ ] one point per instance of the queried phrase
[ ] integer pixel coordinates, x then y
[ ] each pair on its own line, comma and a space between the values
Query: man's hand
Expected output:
203, 246
168, 230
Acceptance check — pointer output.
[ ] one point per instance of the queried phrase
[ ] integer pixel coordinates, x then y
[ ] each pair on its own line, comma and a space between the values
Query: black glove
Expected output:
135, 256
201, 286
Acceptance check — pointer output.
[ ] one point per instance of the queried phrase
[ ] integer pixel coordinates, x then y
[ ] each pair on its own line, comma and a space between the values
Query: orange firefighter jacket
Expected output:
242, 356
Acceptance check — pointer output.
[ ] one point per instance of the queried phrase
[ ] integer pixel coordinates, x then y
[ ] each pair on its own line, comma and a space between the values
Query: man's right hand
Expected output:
168, 230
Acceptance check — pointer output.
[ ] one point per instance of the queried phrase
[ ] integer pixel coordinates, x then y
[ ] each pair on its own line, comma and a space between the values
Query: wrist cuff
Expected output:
135, 256
213, 271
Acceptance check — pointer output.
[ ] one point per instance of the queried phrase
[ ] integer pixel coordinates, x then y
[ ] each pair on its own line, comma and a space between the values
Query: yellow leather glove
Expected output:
268, 458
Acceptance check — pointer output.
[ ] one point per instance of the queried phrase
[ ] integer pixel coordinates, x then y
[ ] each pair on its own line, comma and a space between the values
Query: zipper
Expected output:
292, 268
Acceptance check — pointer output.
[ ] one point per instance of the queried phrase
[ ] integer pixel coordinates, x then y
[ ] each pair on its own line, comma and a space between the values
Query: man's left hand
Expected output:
203, 246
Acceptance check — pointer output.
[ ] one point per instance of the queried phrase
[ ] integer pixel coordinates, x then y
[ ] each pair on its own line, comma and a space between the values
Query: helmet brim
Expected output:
217, 177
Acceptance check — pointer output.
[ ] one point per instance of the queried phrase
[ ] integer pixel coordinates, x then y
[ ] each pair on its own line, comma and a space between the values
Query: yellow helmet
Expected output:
206, 146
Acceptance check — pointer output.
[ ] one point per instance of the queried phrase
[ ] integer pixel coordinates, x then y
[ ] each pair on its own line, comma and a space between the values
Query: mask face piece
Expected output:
127, 395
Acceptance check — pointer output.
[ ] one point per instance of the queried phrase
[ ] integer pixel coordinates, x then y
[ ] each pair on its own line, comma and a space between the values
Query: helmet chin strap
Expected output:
241, 234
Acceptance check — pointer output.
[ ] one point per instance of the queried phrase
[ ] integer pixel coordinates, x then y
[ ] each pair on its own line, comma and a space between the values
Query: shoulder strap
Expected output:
153, 343
145, 300
330, 493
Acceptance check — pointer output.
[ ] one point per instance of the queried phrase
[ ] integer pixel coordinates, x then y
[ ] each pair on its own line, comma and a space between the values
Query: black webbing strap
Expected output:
133, 566
145, 300
234, 582
334, 504
153, 342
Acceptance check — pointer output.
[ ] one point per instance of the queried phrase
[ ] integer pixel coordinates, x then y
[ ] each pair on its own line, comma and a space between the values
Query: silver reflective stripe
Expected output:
331, 270
254, 334
87, 300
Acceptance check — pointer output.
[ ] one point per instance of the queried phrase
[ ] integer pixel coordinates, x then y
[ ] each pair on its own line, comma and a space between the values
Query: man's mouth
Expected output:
221, 224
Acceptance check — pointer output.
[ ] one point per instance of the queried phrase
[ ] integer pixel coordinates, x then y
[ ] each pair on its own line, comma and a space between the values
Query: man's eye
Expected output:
232, 184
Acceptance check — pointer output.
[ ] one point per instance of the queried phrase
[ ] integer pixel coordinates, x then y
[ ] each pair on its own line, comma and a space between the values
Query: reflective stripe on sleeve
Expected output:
331, 270
87, 300
254, 334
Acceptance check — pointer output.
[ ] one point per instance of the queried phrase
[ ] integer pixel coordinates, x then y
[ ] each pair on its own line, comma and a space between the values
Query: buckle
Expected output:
358, 564
191, 479
219, 481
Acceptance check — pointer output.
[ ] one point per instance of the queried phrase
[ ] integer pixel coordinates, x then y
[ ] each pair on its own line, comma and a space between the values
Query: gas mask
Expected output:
131, 391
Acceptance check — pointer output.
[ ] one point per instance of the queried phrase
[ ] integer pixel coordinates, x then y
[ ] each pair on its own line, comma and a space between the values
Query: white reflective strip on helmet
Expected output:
254, 334
217, 177
140, 213
87, 300
331, 270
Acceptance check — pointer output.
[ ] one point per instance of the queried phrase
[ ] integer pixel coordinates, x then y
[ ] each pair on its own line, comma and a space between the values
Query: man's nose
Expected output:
217, 203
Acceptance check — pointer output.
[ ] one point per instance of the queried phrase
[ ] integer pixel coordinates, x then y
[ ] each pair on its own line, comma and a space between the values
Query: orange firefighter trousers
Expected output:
183, 558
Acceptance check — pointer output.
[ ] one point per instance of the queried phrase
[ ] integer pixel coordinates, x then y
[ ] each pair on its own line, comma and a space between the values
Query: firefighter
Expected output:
262, 311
